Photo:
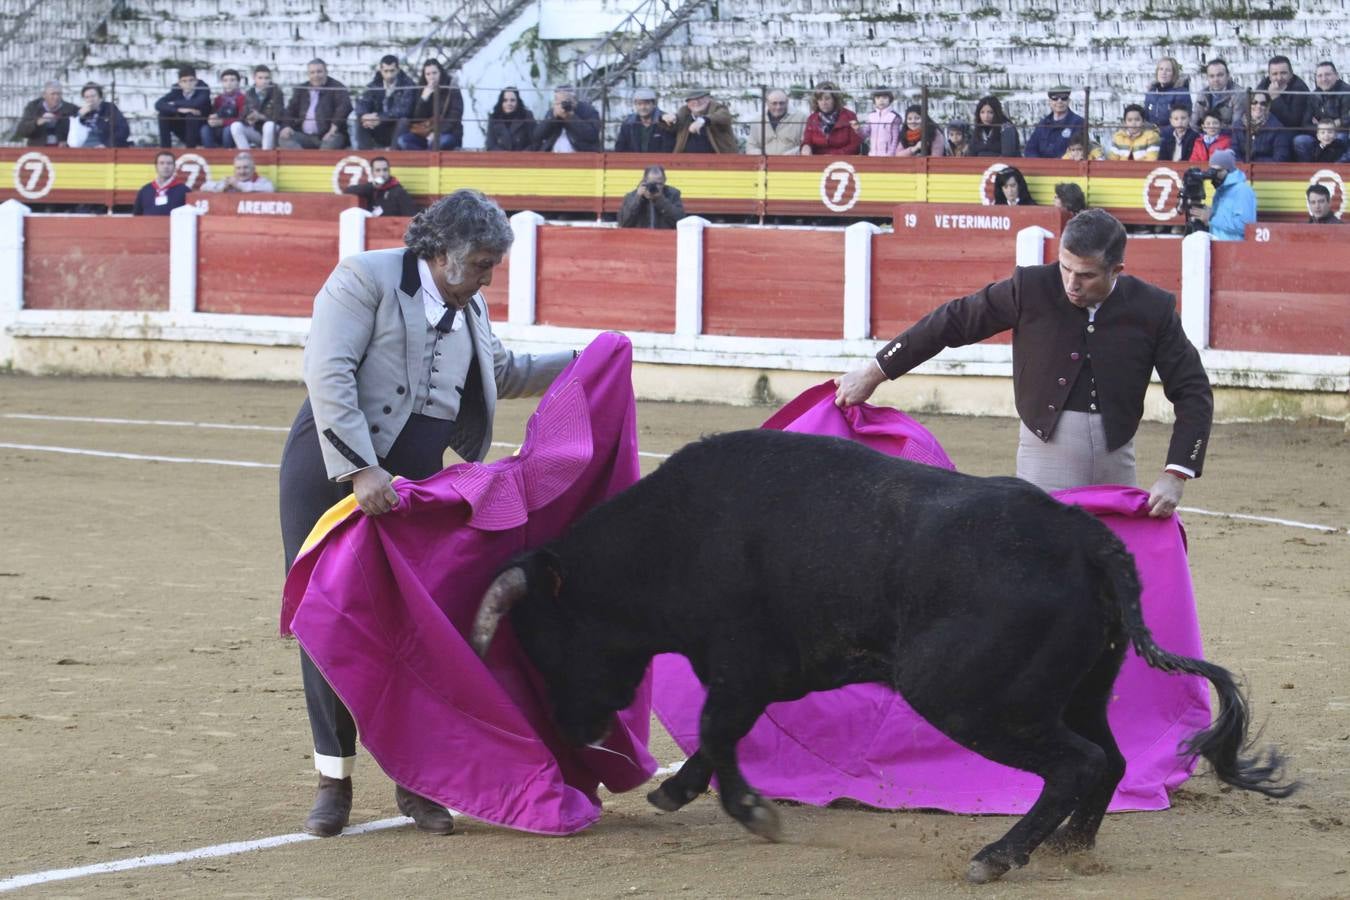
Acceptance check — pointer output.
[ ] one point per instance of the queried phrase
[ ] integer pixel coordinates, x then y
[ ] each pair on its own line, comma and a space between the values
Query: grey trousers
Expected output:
1075, 455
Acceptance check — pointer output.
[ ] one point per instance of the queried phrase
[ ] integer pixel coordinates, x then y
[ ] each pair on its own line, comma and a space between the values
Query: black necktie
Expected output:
443, 326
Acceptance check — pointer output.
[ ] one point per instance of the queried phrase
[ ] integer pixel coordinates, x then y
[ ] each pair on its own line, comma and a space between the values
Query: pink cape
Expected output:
864, 742
383, 605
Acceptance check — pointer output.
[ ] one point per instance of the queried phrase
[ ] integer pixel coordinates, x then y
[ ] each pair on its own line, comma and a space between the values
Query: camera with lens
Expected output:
1193, 195
568, 106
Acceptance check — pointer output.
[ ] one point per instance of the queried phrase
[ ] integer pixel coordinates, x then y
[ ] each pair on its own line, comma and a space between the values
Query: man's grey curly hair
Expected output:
457, 225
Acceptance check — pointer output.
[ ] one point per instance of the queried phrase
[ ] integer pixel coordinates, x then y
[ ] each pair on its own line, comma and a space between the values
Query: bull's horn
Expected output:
509, 587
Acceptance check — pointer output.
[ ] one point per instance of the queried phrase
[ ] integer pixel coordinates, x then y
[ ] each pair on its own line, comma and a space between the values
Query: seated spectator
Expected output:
1052, 135
1329, 102
1070, 198
1233, 206
104, 124
316, 117
183, 110
1135, 140
245, 179
385, 106
920, 136
1212, 138
163, 195
510, 124
572, 126
1319, 206
1170, 89
829, 128
264, 109
653, 204
1328, 146
702, 125
1079, 152
1010, 188
1269, 141
439, 111
780, 134
958, 139
1221, 96
227, 109
382, 195
882, 127
1178, 139
642, 130
993, 135
1288, 95
46, 121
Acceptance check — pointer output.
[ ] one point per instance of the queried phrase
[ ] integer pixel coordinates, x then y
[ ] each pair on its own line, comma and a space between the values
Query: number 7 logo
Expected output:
34, 175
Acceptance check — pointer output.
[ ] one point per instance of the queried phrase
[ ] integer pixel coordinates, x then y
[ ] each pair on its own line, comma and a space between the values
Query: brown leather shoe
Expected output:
430, 816
332, 807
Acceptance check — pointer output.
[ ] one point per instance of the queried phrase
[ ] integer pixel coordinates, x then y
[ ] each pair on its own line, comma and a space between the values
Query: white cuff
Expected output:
334, 766
1173, 467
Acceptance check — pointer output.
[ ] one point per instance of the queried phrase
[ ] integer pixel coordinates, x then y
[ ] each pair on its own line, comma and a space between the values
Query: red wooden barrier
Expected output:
323, 207
262, 266
80, 262
912, 274
1303, 233
1278, 298
1155, 260
933, 219
385, 232
606, 278
771, 283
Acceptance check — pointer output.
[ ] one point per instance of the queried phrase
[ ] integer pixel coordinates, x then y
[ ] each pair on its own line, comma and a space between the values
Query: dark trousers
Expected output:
187, 129
381, 137
306, 494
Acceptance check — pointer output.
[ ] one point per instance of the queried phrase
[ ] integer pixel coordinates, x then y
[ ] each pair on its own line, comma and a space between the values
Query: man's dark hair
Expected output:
163, 153
1072, 198
261, 68
1095, 233
389, 59
383, 159
1134, 107
1329, 64
1276, 60
95, 85
184, 71
317, 61
658, 170
234, 72
1217, 61
1319, 189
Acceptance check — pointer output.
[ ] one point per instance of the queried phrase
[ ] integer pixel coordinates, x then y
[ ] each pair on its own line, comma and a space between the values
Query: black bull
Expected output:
781, 564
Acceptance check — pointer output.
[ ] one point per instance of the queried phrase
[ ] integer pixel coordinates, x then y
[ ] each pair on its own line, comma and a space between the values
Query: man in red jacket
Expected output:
1086, 339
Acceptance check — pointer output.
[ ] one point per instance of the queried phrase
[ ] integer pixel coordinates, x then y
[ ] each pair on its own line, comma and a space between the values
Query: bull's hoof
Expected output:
663, 801
983, 871
762, 819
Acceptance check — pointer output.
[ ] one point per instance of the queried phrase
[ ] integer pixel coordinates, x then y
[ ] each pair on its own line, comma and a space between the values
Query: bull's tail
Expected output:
1224, 743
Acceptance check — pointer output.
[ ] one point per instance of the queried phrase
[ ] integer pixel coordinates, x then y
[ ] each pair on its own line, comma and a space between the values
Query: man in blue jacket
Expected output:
1051, 136
183, 110
1233, 205
385, 105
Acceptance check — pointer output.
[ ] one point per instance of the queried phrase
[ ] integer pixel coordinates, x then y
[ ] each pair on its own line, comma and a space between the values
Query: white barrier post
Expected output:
351, 232
858, 280
183, 259
1195, 288
522, 274
689, 275
12, 214
1031, 245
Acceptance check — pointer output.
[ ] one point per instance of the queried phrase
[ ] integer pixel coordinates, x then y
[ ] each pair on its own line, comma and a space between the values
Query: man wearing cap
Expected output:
643, 131
1051, 136
702, 125
1234, 203
572, 125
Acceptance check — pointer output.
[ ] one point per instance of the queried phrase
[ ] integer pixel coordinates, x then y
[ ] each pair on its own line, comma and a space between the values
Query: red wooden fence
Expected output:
81, 262
606, 278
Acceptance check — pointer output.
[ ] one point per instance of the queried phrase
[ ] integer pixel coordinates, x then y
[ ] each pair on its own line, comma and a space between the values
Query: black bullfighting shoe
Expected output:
332, 807
430, 816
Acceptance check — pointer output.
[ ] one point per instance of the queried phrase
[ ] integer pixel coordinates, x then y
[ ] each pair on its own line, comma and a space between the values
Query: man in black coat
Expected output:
46, 120
572, 126
382, 195
1288, 93
183, 110
385, 105
1085, 341
642, 131
653, 204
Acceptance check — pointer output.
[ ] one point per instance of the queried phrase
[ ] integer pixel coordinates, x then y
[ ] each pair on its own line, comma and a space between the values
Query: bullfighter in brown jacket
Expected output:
1086, 339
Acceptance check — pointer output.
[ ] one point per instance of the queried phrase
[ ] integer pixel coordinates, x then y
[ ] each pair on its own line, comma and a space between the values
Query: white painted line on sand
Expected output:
1267, 520
169, 859
166, 423
141, 456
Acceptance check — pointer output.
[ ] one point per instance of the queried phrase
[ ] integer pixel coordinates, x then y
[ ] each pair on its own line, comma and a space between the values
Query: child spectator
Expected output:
920, 137
1170, 89
1329, 147
1078, 151
993, 134
264, 108
1179, 138
1134, 140
183, 110
829, 128
958, 139
881, 129
1212, 138
227, 108
1010, 188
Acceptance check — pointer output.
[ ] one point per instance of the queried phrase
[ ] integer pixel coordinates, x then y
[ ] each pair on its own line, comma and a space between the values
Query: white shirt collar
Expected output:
432, 303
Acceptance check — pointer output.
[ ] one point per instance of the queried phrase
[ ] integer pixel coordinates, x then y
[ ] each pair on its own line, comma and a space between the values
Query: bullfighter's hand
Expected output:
856, 386
1165, 495
374, 490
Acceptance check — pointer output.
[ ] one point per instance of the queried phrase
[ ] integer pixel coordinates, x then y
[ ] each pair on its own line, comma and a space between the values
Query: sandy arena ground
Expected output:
148, 706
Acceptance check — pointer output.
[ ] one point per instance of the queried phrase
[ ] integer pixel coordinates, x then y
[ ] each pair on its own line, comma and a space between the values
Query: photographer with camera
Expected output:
1233, 206
654, 204
572, 125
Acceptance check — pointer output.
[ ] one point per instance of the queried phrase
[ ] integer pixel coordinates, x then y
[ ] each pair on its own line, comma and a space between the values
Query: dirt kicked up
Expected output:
147, 705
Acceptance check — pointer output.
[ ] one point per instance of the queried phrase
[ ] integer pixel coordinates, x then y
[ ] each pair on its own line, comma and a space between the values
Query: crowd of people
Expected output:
1280, 119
